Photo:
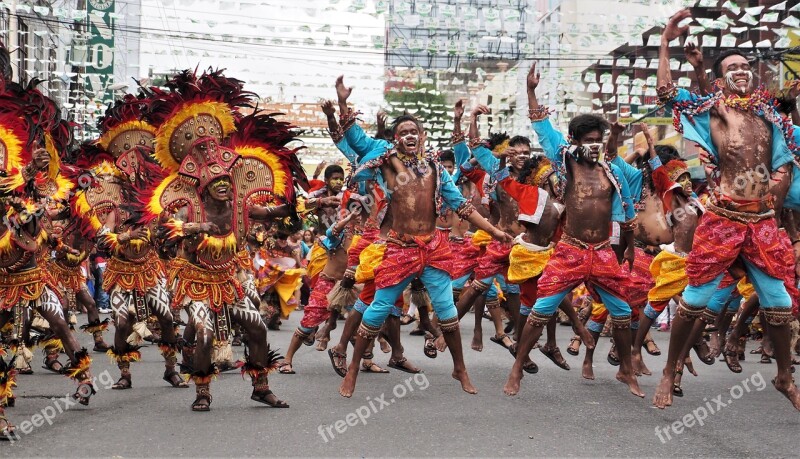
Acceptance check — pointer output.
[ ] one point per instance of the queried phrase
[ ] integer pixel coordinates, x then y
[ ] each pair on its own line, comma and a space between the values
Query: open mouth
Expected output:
222, 189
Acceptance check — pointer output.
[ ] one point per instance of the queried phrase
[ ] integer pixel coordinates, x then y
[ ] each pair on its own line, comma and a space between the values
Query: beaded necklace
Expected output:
760, 102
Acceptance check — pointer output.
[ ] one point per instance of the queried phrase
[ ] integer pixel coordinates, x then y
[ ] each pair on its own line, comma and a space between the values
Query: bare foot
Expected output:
385, 347
477, 340
514, 378
348, 385
586, 337
322, 344
787, 388
440, 343
639, 368
690, 366
587, 372
631, 382
663, 396
466, 384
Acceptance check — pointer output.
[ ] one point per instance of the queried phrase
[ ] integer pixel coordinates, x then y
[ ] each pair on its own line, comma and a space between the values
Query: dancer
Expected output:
417, 190
595, 194
745, 134
205, 207
121, 166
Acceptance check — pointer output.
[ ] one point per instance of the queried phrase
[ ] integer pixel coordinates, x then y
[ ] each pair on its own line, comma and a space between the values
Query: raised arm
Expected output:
549, 138
485, 158
337, 136
672, 31
356, 138
612, 144
473, 125
694, 55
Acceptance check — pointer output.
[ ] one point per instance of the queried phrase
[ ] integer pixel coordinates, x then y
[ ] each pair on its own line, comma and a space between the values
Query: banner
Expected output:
100, 68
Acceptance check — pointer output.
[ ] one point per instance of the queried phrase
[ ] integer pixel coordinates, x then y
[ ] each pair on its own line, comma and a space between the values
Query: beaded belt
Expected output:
575, 242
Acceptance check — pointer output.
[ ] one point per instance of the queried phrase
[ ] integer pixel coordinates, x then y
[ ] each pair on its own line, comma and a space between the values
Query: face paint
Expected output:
594, 148
733, 75
409, 138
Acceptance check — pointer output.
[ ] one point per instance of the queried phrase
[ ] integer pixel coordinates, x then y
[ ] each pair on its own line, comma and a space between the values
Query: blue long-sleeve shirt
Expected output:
373, 153
793, 196
554, 145
462, 154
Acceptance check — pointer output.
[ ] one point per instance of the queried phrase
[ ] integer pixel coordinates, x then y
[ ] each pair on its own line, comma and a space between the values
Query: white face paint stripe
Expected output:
731, 76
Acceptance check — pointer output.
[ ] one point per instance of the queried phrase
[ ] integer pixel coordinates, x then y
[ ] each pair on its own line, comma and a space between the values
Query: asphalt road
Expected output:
556, 414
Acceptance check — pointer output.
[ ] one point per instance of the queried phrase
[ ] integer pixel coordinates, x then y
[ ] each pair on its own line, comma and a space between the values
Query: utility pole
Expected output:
13, 39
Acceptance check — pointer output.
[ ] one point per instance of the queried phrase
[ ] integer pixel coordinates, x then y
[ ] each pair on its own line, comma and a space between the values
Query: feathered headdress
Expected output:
194, 110
37, 121
261, 136
497, 142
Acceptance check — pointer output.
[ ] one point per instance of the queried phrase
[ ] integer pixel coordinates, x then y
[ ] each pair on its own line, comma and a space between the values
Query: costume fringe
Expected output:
38, 322
421, 299
140, 332
96, 326
130, 356
8, 380
23, 357
341, 298
273, 362
169, 349
51, 344
79, 369
222, 352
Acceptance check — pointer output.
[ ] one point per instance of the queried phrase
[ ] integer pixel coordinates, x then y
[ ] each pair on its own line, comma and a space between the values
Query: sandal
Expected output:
8, 431
123, 383
651, 347
203, 400
612, 356
84, 391
174, 378
339, 362
530, 367
501, 340
732, 359
703, 352
400, 365
285, 368
53, 365
555, 356
261, 397
765, 359
417, 332
430, 349
574, 345
407, 319
676, 387
757, 350
372, 367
